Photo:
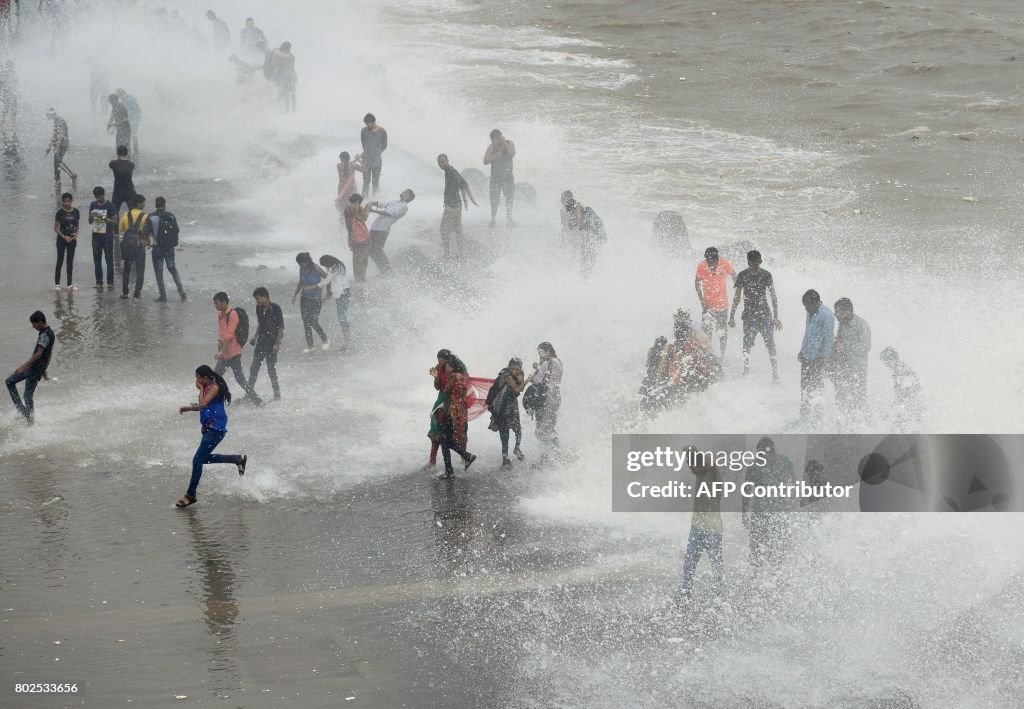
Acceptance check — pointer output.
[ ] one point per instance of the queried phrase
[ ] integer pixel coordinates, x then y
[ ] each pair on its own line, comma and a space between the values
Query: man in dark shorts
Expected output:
59, 146
120, 123
753, 286
499, 156
103, 218
457, 197
34, 369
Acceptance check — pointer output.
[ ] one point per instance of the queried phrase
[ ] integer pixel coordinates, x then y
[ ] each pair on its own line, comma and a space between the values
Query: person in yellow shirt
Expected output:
134, 243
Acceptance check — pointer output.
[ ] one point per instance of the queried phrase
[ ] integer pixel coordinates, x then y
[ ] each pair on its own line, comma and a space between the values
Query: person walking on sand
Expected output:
310, 276
34, 369
214, 396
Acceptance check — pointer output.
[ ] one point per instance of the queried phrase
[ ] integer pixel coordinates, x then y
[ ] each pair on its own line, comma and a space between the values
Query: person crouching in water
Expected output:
214, 395
654, 388
688, 366
503, 403
455, 422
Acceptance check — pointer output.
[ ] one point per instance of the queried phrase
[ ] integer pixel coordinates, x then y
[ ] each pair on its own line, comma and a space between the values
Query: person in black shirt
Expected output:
103, 218
34, 369
457, 197
59, 146
65, 226
267, 341
754, 286
162, 226
124, 186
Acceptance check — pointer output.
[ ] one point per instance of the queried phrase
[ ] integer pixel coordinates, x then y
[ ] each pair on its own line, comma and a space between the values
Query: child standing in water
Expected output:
214, 395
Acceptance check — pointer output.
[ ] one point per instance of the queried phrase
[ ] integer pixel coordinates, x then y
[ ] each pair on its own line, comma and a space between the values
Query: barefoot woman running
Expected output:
213, 396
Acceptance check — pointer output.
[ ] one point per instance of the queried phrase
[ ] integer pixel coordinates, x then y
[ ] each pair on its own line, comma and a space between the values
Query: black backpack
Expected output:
167, 232
133, 234
534, 398
495, 390
242, 331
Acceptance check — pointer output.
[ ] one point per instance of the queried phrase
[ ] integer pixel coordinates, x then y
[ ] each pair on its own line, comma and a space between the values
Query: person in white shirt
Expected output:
337, 286
548, 375
388, 213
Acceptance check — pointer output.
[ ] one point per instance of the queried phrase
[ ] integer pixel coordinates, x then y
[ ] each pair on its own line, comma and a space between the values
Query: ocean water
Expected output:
869, 150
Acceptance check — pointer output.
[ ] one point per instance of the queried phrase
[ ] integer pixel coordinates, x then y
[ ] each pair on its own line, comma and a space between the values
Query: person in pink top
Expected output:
229, 349
347, 169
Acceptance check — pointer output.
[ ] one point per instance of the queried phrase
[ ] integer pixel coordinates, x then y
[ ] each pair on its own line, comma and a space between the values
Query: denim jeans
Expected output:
31, 382
342, 305
260, 354
205, 455
103, 248
160, 256
235, 365
701, 541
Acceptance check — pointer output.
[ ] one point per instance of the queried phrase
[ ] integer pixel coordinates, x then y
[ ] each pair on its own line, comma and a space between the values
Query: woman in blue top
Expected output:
310, 276
214, 395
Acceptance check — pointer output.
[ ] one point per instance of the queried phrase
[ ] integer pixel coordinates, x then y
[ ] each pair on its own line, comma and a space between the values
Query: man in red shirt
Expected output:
713, 294
229, 349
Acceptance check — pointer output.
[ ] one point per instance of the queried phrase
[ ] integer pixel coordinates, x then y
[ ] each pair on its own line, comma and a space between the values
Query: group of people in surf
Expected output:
460, 398
677, 369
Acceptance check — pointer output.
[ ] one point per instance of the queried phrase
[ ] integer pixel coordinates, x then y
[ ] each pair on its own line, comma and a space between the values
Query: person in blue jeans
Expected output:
214, 396
705, 528
34, 369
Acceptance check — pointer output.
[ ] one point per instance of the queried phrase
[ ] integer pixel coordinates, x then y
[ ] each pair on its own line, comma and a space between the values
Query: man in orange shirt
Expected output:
229, 349
713, 294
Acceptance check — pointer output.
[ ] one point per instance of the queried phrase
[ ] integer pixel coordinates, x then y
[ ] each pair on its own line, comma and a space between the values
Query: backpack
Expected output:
534, 398
495, 391
167, 232
242, 330
133, 234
